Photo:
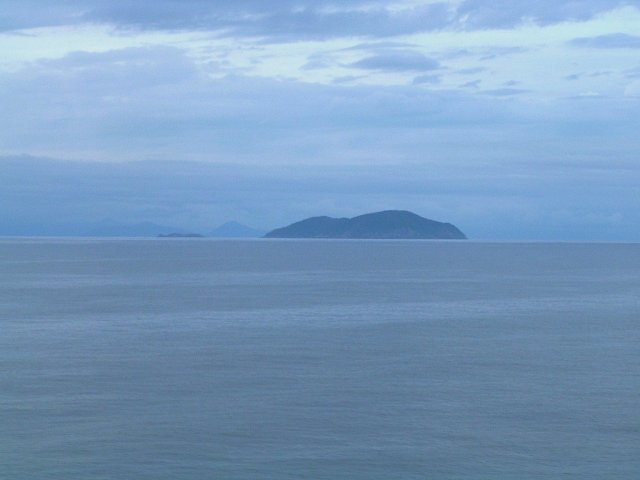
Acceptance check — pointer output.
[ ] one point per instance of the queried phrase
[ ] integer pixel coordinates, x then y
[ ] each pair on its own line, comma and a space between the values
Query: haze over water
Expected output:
192, 359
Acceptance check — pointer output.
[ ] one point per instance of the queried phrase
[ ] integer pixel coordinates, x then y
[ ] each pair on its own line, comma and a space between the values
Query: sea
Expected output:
154, 359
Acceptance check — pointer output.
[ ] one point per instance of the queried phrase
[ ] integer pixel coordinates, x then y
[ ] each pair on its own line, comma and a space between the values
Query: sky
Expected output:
514, 120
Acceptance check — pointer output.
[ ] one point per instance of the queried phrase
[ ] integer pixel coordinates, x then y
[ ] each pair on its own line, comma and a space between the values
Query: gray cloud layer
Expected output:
142, 102
291, 19
155, 103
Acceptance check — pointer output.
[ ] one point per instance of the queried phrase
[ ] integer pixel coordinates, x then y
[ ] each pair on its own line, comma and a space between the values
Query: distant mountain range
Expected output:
108, 228
390, 224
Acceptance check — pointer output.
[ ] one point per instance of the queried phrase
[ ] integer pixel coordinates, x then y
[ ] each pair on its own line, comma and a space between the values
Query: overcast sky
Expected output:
512, 119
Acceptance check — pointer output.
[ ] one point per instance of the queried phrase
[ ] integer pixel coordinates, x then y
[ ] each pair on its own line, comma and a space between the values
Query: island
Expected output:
390, 224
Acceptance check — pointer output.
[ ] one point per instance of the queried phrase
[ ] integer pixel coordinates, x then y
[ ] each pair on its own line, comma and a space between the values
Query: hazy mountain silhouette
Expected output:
389, 224
108, 228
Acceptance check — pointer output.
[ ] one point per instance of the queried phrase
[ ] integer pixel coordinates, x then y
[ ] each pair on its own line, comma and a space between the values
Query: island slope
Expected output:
390, 224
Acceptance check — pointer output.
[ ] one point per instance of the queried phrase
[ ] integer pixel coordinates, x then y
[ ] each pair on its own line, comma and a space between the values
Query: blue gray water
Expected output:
203, 359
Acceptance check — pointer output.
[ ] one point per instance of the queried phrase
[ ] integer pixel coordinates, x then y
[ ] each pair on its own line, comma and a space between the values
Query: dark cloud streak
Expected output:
611, 41
397, 61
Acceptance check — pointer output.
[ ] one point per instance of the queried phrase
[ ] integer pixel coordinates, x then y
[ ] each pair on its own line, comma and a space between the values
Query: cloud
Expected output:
279, 20
471, 70
397, 61
504, 92
633, 73
486, 14
377, 46
431, 79
318, 61
22, 14
313, 22
156, 102
347, 79
275, 20
613, 40
483, 53
471, 84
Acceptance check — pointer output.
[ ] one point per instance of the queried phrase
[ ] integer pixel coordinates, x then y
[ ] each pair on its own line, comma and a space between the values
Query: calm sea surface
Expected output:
204, 359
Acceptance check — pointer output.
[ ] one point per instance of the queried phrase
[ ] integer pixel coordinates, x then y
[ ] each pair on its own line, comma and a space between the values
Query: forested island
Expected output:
389, 224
